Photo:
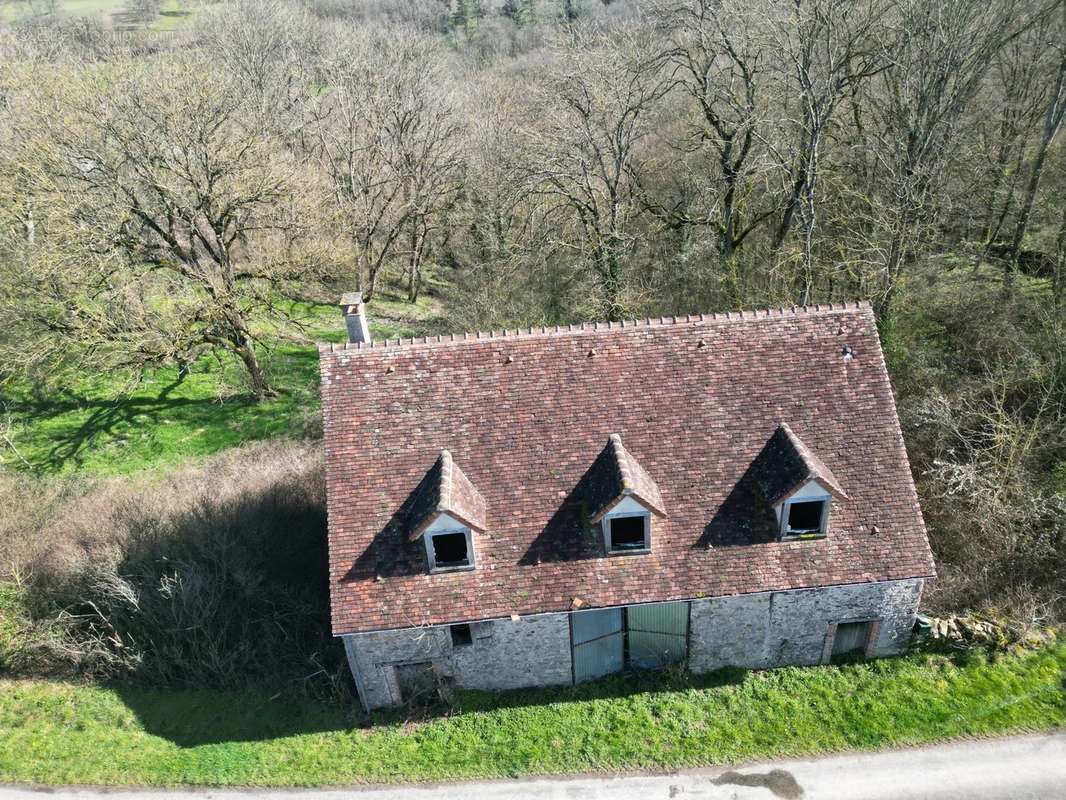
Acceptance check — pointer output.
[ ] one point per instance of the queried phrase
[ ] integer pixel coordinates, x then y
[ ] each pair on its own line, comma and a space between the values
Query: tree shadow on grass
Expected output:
107, 420
113, 419
195, 717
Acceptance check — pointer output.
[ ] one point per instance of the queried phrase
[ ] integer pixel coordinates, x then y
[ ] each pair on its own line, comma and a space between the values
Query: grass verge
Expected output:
63, 733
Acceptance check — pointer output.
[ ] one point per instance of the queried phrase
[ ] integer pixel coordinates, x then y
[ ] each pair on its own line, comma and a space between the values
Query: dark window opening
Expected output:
461, 635
627, 533
449, 550
805, 517
417, 683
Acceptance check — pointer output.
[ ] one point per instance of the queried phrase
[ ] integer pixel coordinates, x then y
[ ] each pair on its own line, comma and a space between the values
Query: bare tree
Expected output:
717, 54
387, 137
1053, 117
169, 218
582, 151
499, 251
268, 46
1018, 81
824, 48
144, 11
939, 61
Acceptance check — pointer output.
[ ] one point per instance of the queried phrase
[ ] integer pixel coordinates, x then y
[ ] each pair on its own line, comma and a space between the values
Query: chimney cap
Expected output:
351, 299
355, 317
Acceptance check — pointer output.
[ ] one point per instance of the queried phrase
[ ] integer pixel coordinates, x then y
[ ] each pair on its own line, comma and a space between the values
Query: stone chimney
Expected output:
355, 317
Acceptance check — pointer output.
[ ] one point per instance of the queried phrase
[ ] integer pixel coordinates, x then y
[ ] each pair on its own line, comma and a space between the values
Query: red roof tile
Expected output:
695, 399
787, 464
445, 490
615, 475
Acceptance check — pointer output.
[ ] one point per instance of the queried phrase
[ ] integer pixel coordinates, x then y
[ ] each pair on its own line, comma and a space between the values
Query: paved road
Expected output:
1019, 768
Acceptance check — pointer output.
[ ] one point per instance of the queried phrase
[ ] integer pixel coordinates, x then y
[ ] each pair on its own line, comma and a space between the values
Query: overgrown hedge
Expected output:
213, 575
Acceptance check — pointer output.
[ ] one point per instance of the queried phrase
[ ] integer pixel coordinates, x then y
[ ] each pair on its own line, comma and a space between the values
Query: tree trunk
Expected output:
371, 281
893, 268
800, 188
361, 265
261, 388
905, 237
242, 344
610, 283
994, 223
787, 216
1052, 123
418, 246
808, 216
729, 213
1059, 279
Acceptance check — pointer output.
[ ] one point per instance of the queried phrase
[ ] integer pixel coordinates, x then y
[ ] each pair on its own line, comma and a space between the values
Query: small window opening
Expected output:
461, 635
449, 550
627, 533
806, 517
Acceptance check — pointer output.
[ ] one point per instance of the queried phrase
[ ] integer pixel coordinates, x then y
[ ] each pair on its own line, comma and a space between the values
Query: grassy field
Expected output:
62, 733
112, 12
94, 425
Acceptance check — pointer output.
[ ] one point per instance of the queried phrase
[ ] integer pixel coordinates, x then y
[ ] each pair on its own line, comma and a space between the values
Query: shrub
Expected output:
981, 395
213, 575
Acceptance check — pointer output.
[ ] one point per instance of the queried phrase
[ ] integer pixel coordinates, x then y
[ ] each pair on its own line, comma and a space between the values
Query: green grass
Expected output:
94, 424
113, 12
62, 733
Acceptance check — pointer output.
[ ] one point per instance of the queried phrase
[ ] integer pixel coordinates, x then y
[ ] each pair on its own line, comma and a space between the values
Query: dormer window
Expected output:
805, 517
797, 484
445, 512
450, 550
628, 533
804, 513
624, 498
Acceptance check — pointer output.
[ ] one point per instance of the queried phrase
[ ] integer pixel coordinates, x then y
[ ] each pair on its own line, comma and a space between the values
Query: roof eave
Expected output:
652, 507
419, 531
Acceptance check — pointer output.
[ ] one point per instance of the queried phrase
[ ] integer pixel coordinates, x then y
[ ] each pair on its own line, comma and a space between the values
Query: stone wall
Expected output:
503, 654
728, 632
372, 657
535, 651
778, 628
758, 631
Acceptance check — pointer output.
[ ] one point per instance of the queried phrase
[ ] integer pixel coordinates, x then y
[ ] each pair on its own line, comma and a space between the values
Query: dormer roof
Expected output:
786, 464
615, 475
445, 489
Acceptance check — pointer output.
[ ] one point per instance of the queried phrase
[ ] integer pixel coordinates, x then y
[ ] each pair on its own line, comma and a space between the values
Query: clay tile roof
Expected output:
696, 400
786, 464
445, 490
615, 475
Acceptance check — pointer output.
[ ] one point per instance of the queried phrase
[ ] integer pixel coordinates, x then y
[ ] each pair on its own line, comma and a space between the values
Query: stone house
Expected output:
550, 505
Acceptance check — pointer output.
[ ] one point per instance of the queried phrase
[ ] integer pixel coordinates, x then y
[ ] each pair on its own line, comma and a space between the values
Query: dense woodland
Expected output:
163, 198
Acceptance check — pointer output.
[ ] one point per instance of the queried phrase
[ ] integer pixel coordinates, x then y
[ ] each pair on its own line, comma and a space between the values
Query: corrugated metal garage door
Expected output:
598, 642
658, 634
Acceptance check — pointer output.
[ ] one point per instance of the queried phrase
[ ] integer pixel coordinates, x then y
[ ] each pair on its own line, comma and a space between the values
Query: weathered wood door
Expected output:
850, 637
